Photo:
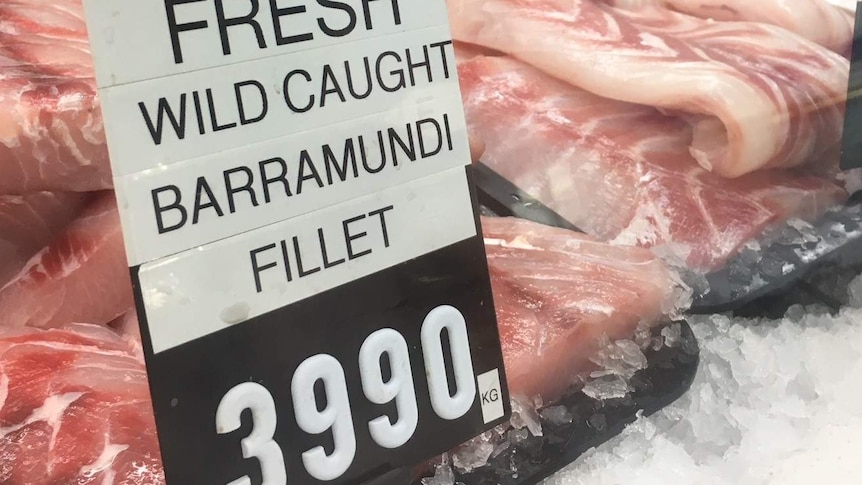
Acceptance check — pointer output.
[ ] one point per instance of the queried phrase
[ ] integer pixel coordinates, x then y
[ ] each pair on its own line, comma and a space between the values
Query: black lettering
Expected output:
424, 152
329, 77
350, 86
382, 154
240, 101
305, 161
402, 82
277, 14
351, 24
284, 255
332, 163
160, 209
448, 131
411, 66
286, 89
199, 112
224, 23
442, 46
396, 13
326, 263
163, 110
211, 104
175, 29
382, 213
349, 238
247, 187
410, 151
302, 272
256, 269
203, 189
266, 180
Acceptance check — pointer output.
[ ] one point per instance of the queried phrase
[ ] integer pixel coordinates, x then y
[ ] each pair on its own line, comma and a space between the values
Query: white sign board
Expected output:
293, 184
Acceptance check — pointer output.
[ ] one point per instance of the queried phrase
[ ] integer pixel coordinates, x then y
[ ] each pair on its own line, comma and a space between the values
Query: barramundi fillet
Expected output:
757, 95
559, 294
622, 172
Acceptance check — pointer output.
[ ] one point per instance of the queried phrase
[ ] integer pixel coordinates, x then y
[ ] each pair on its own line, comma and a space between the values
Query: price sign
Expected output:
302, 233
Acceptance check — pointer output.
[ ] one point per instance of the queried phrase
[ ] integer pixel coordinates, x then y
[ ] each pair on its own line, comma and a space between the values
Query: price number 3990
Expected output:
337, 416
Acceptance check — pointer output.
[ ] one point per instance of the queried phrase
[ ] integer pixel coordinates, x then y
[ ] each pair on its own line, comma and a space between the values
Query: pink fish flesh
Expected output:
29, 222
558, 293
622, 172
82, 276
51, 132
817, 20
758, 95
75, 409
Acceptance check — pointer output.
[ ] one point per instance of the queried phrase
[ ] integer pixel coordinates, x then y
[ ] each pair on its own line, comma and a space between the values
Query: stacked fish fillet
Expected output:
642, 122
647, 126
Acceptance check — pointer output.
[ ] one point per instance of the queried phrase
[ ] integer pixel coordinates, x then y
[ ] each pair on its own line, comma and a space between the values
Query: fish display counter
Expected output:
668, 204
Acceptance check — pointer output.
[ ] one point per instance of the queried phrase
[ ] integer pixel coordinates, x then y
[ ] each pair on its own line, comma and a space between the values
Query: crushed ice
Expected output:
607, 387
524, 414
672, 334
617, 362
557, 415
775, 402
443, 474
474, 454
621, 358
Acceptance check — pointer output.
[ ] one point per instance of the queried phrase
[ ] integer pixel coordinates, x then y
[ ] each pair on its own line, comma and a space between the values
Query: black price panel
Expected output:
383, 372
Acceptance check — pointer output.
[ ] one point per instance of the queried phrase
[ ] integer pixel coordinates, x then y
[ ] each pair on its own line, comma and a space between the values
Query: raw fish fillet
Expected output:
82, 276
759, 96
51, 132
29, 222
75, 409
816, 20
621, 172
127, 326
557, 293
49, 34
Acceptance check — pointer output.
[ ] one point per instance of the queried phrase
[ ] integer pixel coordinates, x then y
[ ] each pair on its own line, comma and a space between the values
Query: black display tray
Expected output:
669, 375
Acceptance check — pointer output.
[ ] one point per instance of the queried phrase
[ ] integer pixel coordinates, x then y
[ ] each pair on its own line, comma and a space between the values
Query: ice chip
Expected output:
607, 387
672, 334
771, 266
556, 415
697, 282
620, 358
806, 230
751, 252
852, 179
790, 236
643, 336
524, 415
443, 475
516, 436
472, 455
